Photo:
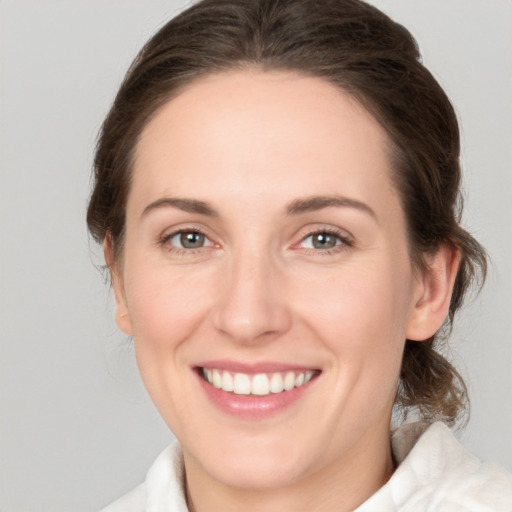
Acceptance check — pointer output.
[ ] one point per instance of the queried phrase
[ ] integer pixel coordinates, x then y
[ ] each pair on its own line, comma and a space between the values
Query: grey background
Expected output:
76, 427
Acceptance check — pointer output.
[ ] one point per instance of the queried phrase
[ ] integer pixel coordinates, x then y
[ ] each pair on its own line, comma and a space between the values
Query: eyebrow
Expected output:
314, 203
296, 207
187, 205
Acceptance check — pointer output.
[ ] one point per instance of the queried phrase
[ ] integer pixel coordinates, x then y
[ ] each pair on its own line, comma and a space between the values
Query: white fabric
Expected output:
435, 474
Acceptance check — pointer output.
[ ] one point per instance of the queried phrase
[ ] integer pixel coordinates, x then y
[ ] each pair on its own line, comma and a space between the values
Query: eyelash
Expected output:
164, 241
345, 242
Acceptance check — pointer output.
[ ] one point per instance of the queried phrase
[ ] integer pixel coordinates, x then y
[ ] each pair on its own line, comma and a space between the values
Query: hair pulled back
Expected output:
362, 51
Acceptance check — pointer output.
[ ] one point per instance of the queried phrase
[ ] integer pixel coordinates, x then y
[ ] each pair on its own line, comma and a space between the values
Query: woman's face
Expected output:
266, 253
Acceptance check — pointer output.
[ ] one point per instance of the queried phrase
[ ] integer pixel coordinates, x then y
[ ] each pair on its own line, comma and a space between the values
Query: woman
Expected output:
277, 191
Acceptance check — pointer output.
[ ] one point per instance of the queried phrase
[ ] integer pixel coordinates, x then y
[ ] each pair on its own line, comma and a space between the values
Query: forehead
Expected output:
254, 133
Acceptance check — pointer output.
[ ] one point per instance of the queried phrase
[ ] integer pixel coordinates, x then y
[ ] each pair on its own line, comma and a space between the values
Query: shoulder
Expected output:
455, 478
134, 501
163, 485
436, 472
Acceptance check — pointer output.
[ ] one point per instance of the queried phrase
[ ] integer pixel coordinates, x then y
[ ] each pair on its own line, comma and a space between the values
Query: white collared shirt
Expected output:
435, 474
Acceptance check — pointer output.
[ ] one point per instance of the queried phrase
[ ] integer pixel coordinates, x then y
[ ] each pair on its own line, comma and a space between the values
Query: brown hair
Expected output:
359, 49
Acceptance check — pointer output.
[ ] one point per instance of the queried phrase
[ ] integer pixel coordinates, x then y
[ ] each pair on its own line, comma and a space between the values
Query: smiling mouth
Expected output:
260, 384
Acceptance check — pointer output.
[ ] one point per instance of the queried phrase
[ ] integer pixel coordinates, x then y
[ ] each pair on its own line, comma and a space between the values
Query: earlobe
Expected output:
122, 315
433, 293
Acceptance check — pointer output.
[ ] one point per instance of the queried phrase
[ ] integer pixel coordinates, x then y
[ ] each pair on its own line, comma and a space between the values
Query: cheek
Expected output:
361, 317
357, 304
166, 304
165, 307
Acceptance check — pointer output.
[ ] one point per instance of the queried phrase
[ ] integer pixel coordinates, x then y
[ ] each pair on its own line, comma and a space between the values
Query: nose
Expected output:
251, 306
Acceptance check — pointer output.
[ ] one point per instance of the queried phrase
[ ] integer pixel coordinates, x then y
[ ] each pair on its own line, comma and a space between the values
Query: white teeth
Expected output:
276, 383
207, 374
242, 384
289, 381
227, 382
261, 384
217, 379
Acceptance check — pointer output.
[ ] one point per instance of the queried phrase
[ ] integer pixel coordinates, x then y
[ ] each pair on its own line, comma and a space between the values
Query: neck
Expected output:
341, 486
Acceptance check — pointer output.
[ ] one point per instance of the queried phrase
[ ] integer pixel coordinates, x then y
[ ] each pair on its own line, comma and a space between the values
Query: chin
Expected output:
255, 466
258, 473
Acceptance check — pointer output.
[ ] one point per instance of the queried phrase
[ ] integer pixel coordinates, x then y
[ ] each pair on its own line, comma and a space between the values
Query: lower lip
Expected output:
253, 406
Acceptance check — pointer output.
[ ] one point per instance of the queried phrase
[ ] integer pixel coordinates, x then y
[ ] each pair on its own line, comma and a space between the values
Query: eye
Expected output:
324, 240
188, 240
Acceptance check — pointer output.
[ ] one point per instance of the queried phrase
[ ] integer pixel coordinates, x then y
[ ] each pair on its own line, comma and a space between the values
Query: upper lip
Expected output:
253, 368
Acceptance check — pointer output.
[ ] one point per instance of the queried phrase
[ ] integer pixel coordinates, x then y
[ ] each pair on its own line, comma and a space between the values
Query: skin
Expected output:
249, 144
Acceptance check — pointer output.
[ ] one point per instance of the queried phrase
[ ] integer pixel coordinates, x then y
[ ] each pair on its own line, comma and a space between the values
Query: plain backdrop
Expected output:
76, 427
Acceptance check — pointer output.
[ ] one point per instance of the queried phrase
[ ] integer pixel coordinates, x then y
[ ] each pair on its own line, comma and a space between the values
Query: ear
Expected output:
122, 316
433, 293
